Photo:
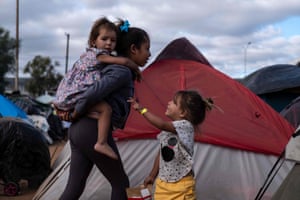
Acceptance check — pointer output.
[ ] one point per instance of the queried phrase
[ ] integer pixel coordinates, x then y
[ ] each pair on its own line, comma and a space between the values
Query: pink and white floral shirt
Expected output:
84, 73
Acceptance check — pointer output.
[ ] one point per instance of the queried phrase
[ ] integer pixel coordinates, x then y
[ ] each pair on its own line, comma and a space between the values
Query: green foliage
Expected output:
7, 56
43, 75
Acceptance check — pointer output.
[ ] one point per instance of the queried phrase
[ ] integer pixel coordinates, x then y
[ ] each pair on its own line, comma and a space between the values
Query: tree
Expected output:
43, 75
7, 56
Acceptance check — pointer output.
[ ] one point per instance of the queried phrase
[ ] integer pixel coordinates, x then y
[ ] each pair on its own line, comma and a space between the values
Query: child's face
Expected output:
106, 39
174, 111
140, 56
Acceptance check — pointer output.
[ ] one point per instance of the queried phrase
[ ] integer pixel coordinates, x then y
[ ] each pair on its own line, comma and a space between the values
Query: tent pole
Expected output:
268, 181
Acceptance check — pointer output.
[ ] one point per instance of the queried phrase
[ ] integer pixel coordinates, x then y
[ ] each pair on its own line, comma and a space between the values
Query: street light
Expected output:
245, 57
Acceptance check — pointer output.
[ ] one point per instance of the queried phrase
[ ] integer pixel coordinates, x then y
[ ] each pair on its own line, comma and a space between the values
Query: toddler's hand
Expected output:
139, 77
134, 103
134, 67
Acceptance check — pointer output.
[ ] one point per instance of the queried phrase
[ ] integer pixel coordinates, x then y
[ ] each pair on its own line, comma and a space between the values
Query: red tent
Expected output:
244, 122
234, 152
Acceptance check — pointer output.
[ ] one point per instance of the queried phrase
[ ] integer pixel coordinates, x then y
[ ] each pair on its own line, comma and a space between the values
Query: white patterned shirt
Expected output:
176, 152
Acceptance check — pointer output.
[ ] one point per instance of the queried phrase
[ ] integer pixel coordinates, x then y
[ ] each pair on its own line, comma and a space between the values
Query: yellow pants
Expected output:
181, 190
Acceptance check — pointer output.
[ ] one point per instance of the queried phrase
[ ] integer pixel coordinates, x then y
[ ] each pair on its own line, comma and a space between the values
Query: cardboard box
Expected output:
139, 193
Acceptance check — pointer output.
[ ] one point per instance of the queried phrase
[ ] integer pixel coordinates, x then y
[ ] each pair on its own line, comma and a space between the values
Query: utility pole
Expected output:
17, 47
67, 52
245, 57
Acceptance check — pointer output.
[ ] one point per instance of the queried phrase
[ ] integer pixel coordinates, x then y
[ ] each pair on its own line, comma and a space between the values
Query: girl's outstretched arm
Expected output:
152, 118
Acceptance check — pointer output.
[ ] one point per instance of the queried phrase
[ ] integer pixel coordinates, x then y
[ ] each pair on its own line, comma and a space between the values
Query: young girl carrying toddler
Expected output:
86, 70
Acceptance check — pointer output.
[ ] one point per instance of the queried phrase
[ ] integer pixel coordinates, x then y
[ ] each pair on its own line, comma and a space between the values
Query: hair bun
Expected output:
210, 104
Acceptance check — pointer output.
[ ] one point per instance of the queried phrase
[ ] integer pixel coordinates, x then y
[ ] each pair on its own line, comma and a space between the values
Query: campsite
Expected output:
30, 137
235, 148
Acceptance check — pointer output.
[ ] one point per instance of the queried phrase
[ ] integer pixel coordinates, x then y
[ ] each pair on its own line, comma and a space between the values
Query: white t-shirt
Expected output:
176, 152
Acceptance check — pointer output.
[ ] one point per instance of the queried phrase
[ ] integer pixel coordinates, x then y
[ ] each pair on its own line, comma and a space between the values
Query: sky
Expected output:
237, 37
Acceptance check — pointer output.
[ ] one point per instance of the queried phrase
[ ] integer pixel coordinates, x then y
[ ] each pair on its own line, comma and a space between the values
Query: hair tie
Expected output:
210, 104
125, 26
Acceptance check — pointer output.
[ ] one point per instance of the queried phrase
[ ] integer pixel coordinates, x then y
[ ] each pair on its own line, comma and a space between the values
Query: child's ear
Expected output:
133, 49
183, 114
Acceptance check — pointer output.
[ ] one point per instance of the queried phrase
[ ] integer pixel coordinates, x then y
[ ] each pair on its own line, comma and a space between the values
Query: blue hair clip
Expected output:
125, 26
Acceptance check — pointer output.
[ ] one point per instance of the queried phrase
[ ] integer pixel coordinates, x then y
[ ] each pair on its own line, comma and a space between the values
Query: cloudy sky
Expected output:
236, 36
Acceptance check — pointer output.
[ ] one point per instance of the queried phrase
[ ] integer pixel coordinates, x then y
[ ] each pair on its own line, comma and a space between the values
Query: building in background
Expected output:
10, 87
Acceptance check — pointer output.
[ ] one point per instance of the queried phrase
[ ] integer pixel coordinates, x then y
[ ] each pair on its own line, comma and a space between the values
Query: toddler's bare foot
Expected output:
106, 150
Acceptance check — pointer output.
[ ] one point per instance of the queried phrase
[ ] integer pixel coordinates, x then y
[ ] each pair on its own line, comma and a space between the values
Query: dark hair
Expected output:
98, 24
193, 104
126, 38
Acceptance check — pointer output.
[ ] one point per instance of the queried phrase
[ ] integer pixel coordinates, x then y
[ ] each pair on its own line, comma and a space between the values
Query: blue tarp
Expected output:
9, 109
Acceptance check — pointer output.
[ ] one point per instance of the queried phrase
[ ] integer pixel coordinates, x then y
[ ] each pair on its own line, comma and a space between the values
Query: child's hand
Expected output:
64, 115
134, 67
148, 180
138, 75
134, 103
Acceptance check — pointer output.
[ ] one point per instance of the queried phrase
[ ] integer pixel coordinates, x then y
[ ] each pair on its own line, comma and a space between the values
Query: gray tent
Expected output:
278, 84
292, 112
289, 189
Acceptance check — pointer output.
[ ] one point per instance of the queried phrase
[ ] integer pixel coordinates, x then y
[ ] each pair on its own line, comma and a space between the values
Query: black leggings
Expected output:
83, 136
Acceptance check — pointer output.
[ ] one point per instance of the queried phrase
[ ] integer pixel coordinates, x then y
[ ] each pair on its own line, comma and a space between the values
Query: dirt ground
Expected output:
25, 192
